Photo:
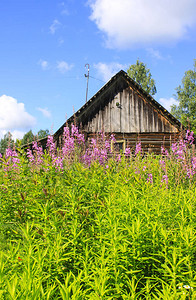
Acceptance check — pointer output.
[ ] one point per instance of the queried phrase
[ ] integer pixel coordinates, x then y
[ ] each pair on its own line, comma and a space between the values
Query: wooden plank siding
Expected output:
150, 142
133, 114
138, 117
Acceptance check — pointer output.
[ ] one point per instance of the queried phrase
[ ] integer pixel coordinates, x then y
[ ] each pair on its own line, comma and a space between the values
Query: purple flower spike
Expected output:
150, 178
138, 148
127, 152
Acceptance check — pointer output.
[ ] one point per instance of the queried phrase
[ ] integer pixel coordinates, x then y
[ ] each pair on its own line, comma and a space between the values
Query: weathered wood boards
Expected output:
128, 113
122, 107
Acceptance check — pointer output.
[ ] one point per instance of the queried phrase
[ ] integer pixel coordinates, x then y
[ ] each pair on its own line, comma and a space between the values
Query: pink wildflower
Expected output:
150, 178
51, 145
127, 152
189, 137
118, 158
39, 153
138, 148
30, 155
164, 151
162, 163
165, 179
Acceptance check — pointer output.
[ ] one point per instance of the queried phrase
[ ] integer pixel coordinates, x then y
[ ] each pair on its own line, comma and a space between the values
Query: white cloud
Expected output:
16, 134
13, 117
55, 25
129, 22
60, 41
155, 53
44, 64
106, 71
46, 113
63, 66
168, 102
64, 10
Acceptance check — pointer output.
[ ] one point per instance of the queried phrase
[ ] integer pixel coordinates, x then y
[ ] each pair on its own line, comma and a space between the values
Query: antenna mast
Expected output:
87, 76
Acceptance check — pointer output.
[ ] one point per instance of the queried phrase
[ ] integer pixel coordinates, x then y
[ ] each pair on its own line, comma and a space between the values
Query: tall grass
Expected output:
105, 228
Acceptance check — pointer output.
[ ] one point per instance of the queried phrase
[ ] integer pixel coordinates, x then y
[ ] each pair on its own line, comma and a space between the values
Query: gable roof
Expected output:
116, 84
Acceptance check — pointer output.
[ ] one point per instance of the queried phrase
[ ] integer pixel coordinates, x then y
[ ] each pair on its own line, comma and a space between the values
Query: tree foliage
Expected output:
42, 134
185, 111
141, 74
28, 138
6, 142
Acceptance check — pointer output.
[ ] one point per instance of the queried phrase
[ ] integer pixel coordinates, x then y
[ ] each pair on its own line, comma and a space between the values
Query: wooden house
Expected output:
123, 108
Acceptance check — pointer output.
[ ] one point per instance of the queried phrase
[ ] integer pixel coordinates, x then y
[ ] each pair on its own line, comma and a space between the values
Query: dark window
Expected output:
118, 146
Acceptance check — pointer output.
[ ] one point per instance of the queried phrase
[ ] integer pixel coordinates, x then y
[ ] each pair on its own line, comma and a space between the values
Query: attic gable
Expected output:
157, 117
128, 112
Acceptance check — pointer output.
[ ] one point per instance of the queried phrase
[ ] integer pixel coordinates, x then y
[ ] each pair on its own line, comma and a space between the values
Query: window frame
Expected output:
118, 142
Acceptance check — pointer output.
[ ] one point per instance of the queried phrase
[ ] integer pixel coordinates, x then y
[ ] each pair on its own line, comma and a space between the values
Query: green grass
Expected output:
97, 233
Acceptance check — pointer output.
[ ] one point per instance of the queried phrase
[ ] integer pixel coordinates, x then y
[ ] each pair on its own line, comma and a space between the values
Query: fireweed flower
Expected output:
68, 143
51, 145
127, 152
112, 137
118, 158
87, 158
174, 147
76, 135
189, 138
103, 156
165, 179
98, 150
138, 148
162, 164
179, 150
8, 153
30, 155
193, 162
189, 172
107, 145
164, 151
150, 178
57, 162
38, 153
15, 159
12, 160
74, 130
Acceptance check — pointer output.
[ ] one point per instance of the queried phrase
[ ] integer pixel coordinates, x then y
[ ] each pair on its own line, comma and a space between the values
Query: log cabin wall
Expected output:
122, 107
150, 142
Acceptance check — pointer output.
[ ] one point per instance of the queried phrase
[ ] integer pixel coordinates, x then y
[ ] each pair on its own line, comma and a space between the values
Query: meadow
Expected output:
83, 223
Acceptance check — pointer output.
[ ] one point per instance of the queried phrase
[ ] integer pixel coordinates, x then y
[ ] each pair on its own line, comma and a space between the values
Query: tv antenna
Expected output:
87, 76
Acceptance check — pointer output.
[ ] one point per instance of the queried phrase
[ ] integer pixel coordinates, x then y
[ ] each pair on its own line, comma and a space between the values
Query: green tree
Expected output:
185, 111
28, 138
141, 74
42, 134
6, 142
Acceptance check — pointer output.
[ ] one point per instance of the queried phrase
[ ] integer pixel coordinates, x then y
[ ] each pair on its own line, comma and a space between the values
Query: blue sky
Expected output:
44, 46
